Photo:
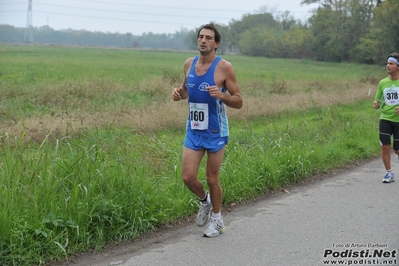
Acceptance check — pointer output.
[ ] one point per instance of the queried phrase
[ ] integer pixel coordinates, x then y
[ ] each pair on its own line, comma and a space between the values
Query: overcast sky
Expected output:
138, 16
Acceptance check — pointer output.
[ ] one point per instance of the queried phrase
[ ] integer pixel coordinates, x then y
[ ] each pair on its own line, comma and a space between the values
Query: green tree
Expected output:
382, 38
262, 41
295, 42
337, 27
287, 20
320, 35
248, 22
363, 52
385, 29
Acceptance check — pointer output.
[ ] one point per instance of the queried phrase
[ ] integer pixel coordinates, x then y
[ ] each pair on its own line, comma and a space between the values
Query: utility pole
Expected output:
29, 28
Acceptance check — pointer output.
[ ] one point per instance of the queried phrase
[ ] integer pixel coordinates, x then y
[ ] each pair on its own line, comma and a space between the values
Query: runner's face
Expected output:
206, 41
392, 67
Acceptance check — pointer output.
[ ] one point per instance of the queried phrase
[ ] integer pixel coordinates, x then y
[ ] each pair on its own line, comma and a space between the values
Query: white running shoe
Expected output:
214, 228
204, 214
388, 178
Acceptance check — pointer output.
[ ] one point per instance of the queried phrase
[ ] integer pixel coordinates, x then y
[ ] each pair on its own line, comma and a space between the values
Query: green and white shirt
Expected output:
388, 96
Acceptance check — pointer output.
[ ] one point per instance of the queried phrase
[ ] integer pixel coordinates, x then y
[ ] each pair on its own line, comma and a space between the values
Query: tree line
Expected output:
363, 31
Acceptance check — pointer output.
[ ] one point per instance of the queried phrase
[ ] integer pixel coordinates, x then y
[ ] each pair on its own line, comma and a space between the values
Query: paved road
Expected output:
351, 216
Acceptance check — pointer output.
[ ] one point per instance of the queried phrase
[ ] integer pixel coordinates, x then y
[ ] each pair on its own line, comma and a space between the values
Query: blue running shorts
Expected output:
198, 142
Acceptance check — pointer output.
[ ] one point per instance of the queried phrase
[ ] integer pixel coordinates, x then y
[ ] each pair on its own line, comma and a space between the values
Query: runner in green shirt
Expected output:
387, 97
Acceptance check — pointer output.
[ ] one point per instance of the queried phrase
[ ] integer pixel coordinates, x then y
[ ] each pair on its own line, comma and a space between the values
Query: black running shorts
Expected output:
388, 129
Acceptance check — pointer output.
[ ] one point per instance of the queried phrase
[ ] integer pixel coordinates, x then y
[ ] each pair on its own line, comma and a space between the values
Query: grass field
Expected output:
91, 140
55, 90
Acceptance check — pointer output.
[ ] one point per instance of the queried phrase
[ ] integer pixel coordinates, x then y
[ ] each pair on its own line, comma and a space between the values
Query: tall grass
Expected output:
111, 184
87, 160
79, 193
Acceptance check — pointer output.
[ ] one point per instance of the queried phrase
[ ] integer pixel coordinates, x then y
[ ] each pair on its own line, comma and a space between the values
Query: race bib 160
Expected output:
199, 116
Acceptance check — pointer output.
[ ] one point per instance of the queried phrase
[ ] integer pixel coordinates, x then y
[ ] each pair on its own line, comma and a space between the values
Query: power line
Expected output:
98, 17
136, 5
164, 7
241, 11
11, 11
130, 13
133, 5
12, 3
117, 19
131, 16
179, 15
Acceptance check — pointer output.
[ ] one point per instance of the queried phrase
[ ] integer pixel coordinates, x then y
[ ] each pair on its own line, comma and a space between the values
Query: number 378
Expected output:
392, 96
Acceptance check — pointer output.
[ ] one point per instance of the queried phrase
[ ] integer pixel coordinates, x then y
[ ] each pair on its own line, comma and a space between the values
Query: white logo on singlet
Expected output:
203, 86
